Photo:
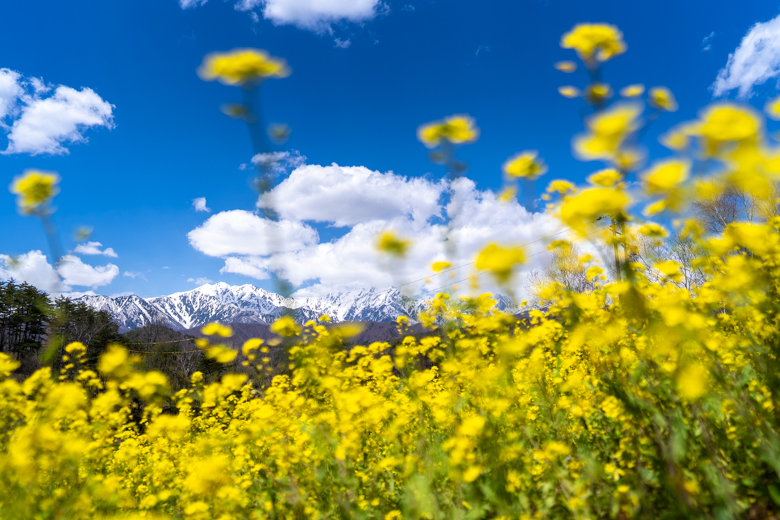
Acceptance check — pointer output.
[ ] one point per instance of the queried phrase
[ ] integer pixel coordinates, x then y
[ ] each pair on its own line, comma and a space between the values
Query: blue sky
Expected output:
166, 143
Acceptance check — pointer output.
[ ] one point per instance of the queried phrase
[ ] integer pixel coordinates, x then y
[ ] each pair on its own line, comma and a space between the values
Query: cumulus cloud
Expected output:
311, 15
347, 195
755, 61
93, 248
76, 272
10, 91
35, 269
200, 204
240, 232
38, 124
367, 203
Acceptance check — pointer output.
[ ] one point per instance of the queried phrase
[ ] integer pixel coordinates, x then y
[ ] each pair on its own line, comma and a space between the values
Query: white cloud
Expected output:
10, 91
166, 267
93, 248
187, 4
134, 275
342, 44
239, 232
46, 123
200, 204
311, 15
278, 162
369, 202
347, 195
705, 43
199, 281
33, 268
756, 60
76, 272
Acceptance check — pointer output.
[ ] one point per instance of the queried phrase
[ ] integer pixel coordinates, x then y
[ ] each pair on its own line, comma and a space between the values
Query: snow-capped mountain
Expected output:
249, 304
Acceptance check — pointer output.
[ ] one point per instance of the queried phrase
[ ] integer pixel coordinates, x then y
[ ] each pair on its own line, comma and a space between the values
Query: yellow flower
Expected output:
565, 66
772, 108
392, 245
500, 261
560, 187
665, 176
608, 131
597, 93
241, 66
454, 129
217, 329
605, 178
251, 345
569, 92
580, 210
438, 267
525, 165
692, 382
632, 91
725, 122
594, 41
662, 99
34, 189
285, 326
652, 230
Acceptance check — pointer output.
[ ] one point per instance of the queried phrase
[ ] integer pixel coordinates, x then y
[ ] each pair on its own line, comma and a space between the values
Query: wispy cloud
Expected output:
134, 275
342, 44
482, 48
755, 61
199, 281
705, 43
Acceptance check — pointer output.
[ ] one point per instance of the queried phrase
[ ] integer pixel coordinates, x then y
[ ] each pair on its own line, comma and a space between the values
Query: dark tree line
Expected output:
33, 326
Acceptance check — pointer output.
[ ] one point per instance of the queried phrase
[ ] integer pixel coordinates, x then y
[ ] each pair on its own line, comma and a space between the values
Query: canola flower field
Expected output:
639, 398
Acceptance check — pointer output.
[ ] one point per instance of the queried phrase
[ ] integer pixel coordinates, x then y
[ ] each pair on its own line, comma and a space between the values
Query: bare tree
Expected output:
564, 268
735, 205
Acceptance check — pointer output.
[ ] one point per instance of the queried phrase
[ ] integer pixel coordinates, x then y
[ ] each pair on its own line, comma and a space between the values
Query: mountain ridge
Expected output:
250, 304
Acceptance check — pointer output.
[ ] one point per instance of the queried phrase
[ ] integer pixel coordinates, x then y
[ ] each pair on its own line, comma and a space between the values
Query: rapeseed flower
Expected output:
594, 42
34, 189
456, 129
242, 66
525, 165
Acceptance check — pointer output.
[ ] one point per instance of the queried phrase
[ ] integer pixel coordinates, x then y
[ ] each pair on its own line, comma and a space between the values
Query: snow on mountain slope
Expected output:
249, 304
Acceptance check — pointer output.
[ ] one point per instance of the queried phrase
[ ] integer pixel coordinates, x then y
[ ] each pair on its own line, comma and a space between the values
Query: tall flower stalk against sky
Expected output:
614, 132
443, 139
35, 191
249, 69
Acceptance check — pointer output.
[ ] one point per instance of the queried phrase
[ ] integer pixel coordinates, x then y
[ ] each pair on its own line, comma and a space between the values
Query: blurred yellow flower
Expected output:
580, 211
597, 93
565, 66
500, 261
594, 41
285, 326
438, 267
569, 92
454, 129
772, 108
392, 245
665, 175
525, 165
632, 91
605, 178
727, 122
692, 382
241, 66
607, 131
662, 99
217, 329
34, 189
560, 186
